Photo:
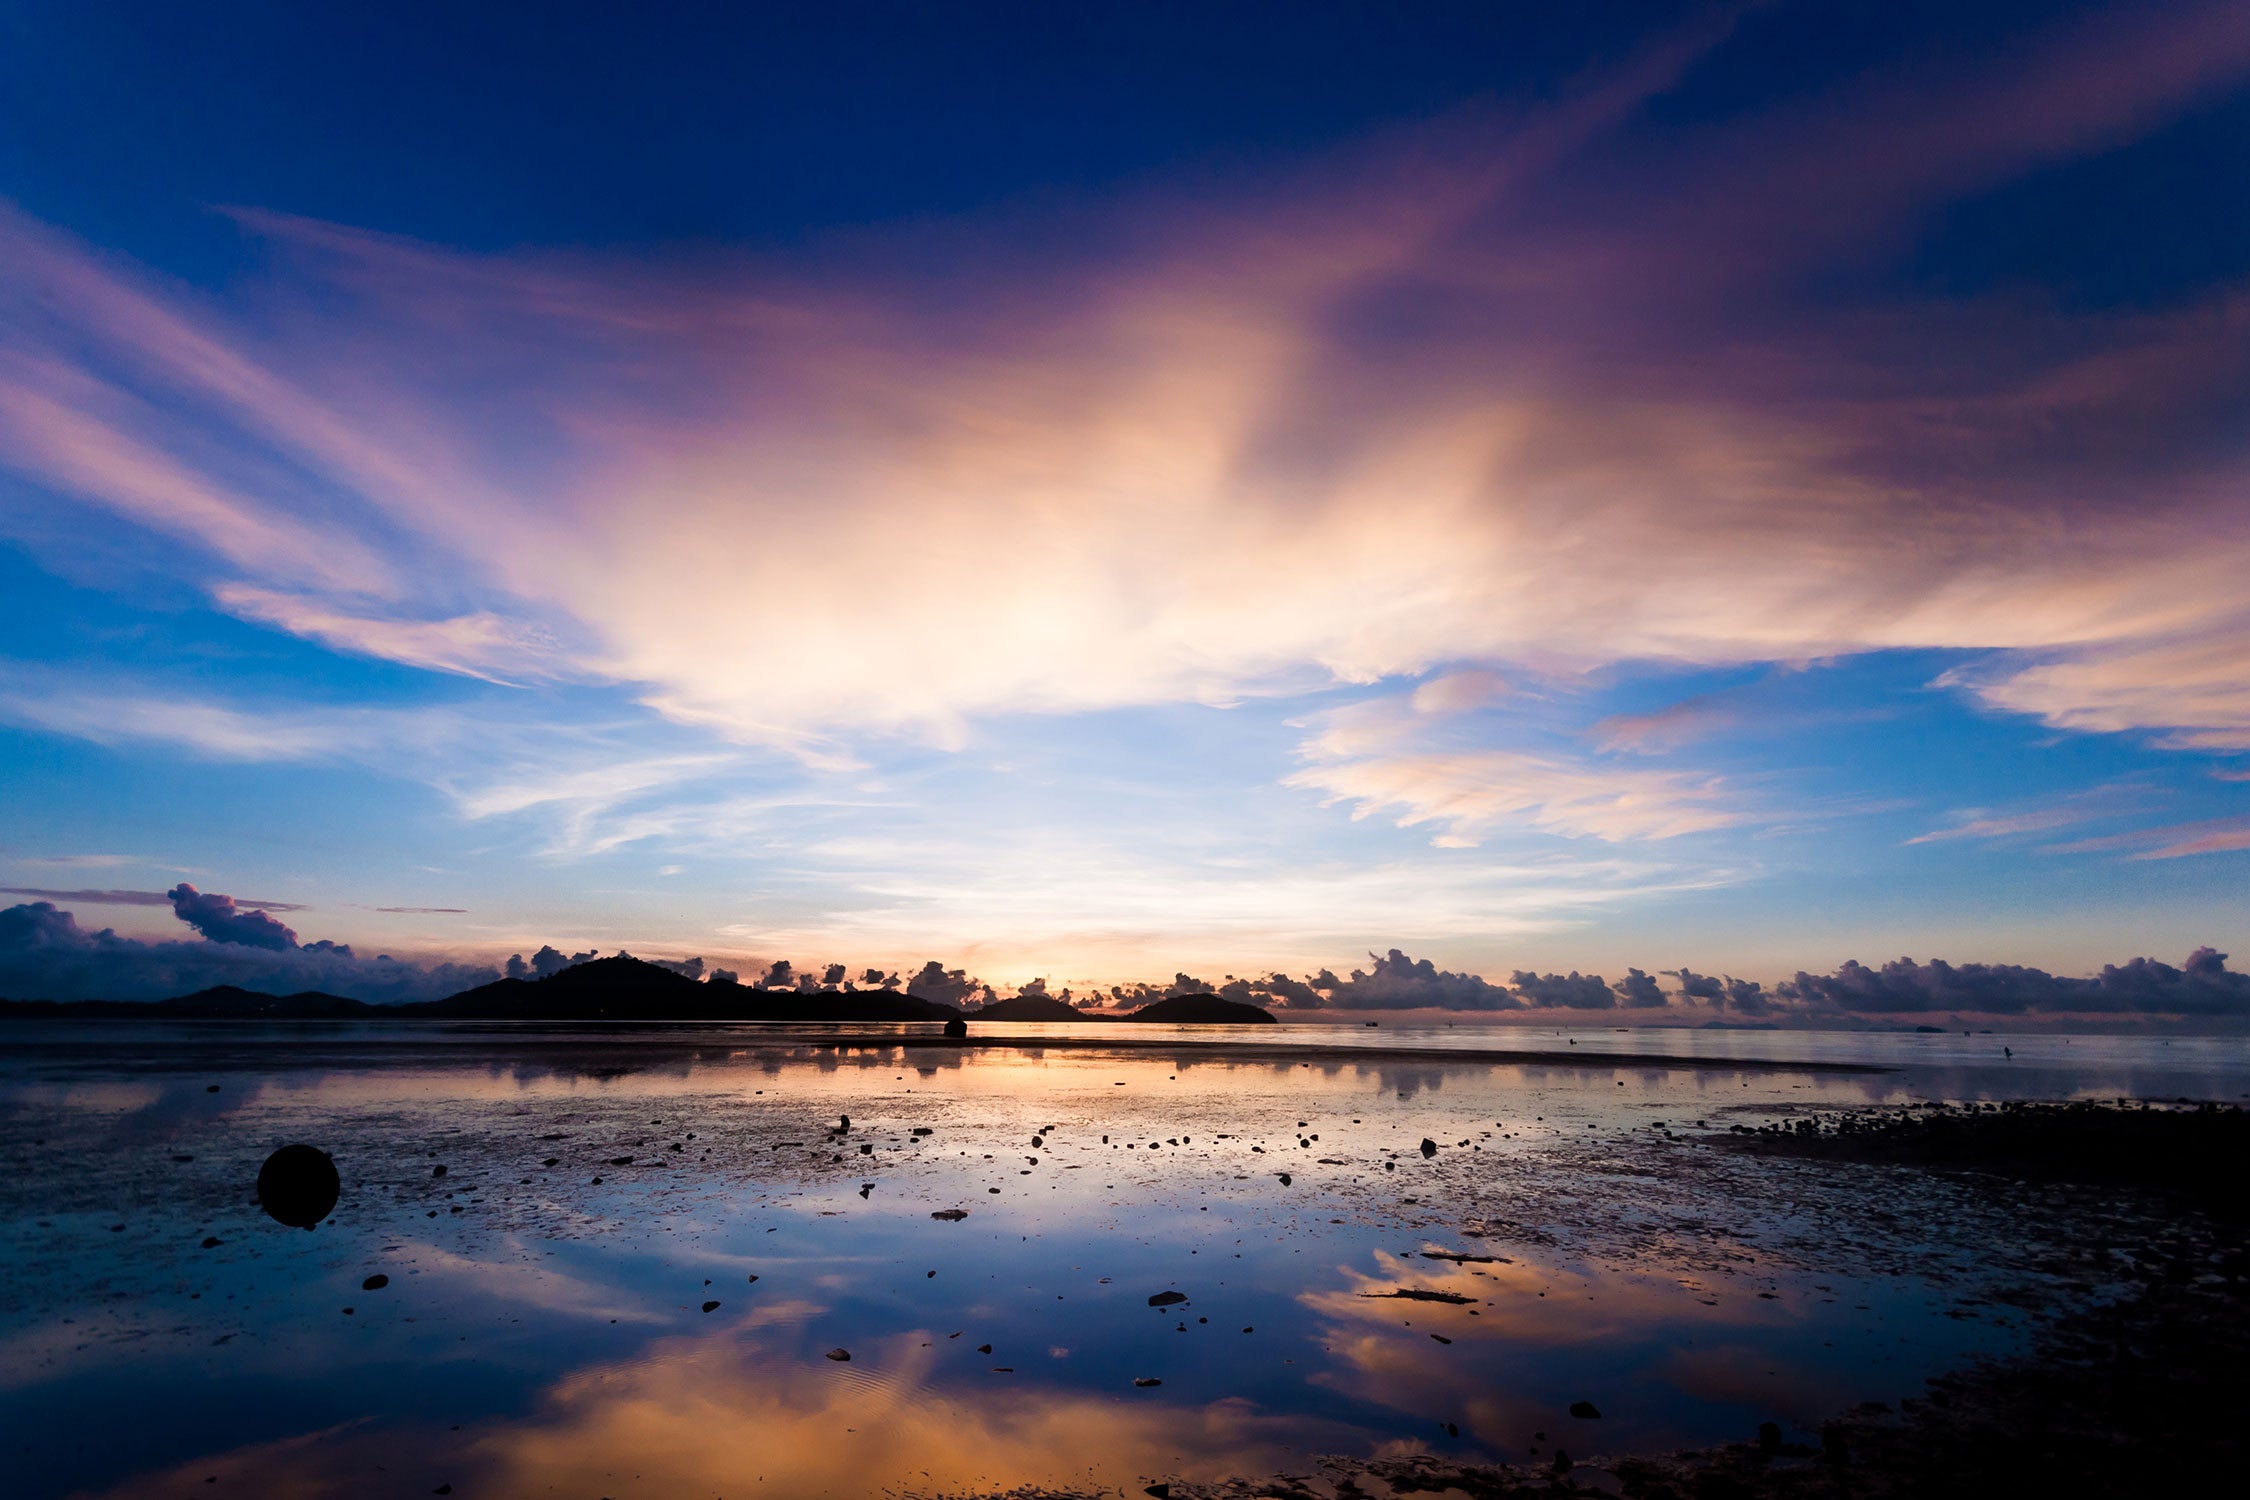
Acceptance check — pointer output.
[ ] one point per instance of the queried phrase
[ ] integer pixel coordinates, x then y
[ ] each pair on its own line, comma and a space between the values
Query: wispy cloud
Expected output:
800, 503
2176, 841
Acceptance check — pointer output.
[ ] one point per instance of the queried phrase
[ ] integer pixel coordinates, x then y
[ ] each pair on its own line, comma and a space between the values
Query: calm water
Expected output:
544, 1329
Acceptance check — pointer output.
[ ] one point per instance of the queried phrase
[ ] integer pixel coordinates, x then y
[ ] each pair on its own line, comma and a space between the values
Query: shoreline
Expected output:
1258, 1044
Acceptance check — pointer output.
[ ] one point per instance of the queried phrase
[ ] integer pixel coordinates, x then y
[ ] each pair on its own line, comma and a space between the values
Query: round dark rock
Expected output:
1429, 1147
298, 1186
375, 1283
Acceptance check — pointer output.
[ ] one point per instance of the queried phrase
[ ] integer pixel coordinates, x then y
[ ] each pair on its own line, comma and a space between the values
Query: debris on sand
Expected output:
298, 1186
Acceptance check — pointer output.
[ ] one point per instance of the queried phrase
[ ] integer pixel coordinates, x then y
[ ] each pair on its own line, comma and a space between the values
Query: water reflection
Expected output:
542, 1331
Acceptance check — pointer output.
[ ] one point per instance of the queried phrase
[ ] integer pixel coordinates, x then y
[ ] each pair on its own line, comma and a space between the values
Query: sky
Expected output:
1094, 493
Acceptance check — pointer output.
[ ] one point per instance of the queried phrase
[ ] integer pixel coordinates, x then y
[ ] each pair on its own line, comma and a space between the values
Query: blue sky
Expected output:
1088, 494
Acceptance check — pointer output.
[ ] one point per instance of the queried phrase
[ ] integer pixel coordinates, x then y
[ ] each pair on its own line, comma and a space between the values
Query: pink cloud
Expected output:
1164, 452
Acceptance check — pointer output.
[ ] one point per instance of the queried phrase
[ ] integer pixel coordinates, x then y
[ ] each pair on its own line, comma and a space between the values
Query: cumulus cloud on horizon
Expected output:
45, 954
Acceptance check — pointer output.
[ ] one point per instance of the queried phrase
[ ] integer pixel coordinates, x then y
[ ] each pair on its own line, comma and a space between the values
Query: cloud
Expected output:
2176, 841
483, 644
1396, 982
46, 955
140, 898
946, 986
1091, 429
1458, 693
218, 918
1469, 793
1666, 729
1572, 991
2202, 987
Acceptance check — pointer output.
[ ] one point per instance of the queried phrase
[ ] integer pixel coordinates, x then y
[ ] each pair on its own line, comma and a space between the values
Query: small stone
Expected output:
212, 1242
1145, 1381
1769, 1437
1429, 1147
1167, 1299
951, 1215
375, 1283
710, 1307
1585, 1411
841, 1356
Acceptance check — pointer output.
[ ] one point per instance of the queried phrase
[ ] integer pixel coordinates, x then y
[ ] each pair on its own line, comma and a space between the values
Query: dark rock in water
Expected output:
1423, 1294
750, 1278
1451, 1429
710, 1307
1285, 1179
984, 1348
1441, 1338
1202, 1010
1585, 1411
298, 1186
865, 1188
957, 1030
1144, 1381
1167, 1299
841, 1356
843, 1122
1562, 1462
951, 1215
1429, 1147
1160, 1491
212, 1242
1769, 1437
438, 1170
375, 1283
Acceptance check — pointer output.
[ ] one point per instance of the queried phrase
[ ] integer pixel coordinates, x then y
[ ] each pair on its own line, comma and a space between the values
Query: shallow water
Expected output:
544, 1330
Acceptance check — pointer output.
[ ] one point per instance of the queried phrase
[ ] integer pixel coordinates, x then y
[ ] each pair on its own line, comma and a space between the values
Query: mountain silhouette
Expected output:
1202, 1010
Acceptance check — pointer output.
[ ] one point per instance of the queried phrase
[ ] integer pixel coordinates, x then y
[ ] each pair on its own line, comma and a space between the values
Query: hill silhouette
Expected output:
1031, 1008
1202, 1010
603, 989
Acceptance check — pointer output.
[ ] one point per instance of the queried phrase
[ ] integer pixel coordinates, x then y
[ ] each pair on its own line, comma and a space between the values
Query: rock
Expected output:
956, 1030
1167, 1299
1160, 1491
1441, 1338
1585, 1411
984, 1348
1769, 1437
438, 1170
1285, 1179
841, 1356
298, 1186
951, 1215
375, 1283
710, 1307
1562, 1462
1429, 1147
1145, 1381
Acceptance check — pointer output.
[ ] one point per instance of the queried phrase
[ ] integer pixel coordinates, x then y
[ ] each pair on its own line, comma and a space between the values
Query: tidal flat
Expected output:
734, 1261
